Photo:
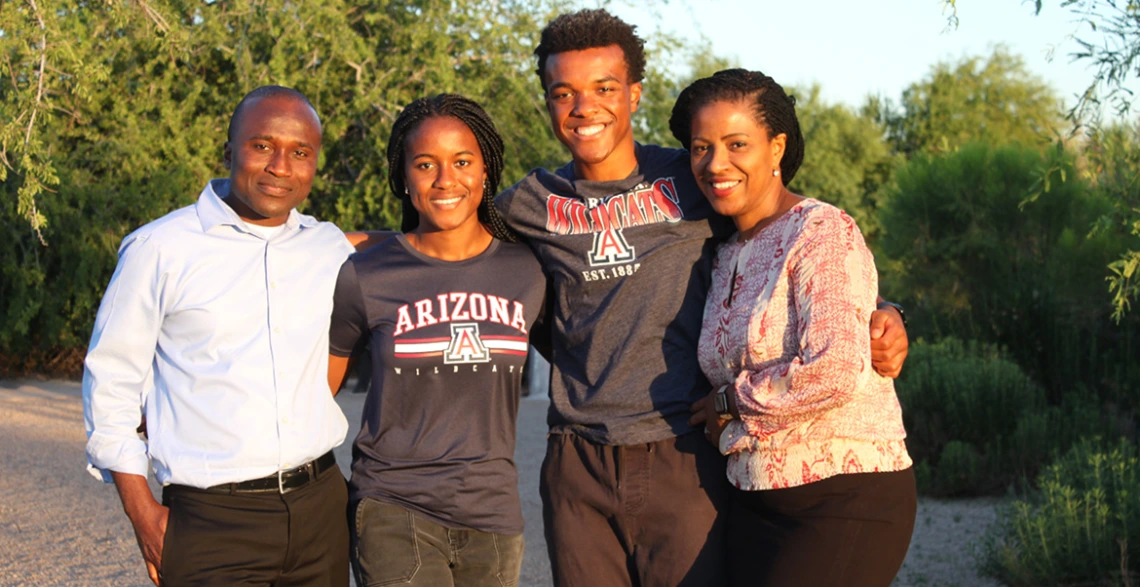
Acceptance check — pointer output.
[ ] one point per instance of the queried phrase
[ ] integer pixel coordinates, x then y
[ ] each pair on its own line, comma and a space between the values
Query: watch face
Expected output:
720, 403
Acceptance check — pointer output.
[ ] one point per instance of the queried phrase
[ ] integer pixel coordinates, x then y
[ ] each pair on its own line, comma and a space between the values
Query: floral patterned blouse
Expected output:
785, 327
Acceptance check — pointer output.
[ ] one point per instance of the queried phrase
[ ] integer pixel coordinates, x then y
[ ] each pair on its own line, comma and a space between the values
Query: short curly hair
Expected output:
589, 29
772, 108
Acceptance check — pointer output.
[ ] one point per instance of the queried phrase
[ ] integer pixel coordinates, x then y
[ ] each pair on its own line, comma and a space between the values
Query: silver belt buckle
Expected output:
310, 467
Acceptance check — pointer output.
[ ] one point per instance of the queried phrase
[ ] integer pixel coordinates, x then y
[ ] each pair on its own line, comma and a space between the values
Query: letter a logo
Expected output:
465, 345
610, 248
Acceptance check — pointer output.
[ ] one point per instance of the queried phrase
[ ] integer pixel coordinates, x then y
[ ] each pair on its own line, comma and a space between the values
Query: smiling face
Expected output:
732, 158
590, 102
444, 174
272, 158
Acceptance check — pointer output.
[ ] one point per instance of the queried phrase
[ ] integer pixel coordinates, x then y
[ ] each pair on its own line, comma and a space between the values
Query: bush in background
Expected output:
976, 257
977, 424
1081, 528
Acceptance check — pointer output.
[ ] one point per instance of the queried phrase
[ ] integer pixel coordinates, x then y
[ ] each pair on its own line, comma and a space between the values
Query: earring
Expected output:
775, 173
406, 191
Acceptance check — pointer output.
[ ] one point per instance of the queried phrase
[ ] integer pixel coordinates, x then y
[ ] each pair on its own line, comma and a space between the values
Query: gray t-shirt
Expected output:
448, 344
630, 263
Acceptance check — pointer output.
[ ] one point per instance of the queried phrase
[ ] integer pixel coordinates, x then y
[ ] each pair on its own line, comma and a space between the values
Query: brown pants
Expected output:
843, 531
647, 515
299, 538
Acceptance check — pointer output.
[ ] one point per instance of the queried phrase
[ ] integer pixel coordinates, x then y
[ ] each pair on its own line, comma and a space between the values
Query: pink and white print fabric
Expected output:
792, 341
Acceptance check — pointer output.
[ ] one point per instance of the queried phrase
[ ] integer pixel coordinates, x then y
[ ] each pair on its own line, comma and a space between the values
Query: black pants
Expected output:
847, 530
299, 538
647, 515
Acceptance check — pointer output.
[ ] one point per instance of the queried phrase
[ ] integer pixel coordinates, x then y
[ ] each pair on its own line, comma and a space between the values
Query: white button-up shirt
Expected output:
221, 338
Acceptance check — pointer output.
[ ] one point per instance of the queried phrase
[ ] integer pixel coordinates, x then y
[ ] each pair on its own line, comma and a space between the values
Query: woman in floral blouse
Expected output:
825, 492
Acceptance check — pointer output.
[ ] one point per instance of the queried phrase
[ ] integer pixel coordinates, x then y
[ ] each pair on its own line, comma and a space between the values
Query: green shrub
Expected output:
959, 467
993, 244
1081, 528
978, 424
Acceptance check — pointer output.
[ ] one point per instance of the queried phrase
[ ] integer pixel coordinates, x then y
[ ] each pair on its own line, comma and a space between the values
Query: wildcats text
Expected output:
637, 207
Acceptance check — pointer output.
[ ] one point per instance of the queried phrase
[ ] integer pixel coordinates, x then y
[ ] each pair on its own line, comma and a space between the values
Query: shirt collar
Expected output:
212, 211
616, 185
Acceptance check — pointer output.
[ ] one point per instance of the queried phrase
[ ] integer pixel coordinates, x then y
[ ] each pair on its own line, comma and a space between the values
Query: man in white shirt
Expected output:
215, 329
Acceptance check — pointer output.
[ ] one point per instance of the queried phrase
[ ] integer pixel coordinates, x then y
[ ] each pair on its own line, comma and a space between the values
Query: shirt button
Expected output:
284, 420
276, 331
272, 285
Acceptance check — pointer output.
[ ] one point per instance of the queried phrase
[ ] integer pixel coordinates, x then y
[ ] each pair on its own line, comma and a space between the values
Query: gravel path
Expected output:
60, 527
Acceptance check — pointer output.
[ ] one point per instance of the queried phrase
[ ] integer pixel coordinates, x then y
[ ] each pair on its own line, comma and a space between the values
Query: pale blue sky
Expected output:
861, 47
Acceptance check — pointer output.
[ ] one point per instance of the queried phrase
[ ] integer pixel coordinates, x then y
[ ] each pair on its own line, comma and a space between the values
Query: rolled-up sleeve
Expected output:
118, 370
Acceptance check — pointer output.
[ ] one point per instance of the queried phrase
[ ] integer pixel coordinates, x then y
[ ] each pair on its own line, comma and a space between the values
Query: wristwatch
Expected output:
720, 403
885, 303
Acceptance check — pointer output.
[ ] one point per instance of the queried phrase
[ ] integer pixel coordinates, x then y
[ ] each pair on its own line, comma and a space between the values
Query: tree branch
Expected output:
33, 212
43, 66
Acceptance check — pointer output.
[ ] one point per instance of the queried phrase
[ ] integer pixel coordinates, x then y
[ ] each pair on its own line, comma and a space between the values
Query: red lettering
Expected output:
665, 200
599, 219
465, 345
609, 246
657, 203
556, 219
577, 214
615, 209
635, 215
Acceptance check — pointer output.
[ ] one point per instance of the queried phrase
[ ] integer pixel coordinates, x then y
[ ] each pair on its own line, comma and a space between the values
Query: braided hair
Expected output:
490, 146
774, 110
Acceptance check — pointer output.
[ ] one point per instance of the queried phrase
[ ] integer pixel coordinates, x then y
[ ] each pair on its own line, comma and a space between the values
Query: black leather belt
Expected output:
281, 481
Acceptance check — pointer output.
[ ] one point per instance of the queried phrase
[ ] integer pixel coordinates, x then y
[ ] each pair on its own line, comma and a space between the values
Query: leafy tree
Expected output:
1113, 166
979, 263
992, 100
846, 161
1111, 46
114, 113
1115, 58
120, 109
662, 84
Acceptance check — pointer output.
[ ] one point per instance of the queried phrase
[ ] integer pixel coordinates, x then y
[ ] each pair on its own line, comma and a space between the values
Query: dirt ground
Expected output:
61, 527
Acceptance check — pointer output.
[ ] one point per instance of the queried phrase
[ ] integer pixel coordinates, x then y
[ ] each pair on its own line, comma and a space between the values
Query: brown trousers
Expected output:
647, 515
299, 538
